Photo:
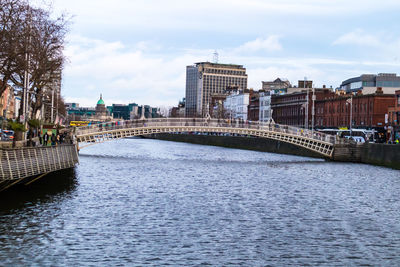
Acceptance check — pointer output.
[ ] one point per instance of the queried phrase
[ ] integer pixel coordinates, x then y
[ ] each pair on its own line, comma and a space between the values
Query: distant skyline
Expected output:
137, 51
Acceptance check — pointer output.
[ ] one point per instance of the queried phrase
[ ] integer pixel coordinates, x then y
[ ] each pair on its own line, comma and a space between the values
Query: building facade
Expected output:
367, 111
394, 116
296, 109
369, 83
204, 79
236, 105
265, 111
278, 86
254, 106
8, 107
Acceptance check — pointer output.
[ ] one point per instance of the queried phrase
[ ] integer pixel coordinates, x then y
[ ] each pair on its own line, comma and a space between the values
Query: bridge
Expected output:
321, 143
25, 165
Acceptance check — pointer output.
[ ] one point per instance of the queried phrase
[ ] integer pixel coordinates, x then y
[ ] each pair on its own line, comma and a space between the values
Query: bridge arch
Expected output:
311, 140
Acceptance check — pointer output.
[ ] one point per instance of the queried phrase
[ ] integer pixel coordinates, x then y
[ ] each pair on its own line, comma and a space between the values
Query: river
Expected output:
138, 202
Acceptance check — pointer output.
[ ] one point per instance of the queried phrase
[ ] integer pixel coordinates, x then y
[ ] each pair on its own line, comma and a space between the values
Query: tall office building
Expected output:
205, 78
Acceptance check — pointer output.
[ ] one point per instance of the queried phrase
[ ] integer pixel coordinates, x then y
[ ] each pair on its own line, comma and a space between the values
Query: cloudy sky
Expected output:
137, 50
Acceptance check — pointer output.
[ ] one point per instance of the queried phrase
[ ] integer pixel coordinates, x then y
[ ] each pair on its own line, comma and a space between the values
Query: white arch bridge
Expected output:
312, 140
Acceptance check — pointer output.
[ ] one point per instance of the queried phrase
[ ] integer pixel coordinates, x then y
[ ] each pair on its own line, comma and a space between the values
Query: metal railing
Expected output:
208, 123
29, 161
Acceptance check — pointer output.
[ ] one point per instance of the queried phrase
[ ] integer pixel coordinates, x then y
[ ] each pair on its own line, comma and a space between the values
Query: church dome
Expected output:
100, 102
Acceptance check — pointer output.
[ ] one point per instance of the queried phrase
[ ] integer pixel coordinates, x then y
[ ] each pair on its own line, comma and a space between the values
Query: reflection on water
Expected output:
54, 185
150, 202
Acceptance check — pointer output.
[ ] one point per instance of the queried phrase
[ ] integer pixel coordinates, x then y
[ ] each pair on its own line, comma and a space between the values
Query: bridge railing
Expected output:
202, 122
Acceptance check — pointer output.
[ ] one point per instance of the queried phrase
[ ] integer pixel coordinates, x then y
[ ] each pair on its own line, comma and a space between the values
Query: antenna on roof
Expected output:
215, 57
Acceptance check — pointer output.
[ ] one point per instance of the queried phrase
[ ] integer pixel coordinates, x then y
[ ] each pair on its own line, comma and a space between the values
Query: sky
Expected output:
136, 51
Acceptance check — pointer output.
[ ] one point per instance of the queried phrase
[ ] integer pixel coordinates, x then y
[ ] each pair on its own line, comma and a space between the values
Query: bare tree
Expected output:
12, 17
31, 41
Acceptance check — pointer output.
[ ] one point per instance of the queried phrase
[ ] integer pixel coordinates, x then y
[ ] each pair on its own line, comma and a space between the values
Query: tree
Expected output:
31, 41
12, 17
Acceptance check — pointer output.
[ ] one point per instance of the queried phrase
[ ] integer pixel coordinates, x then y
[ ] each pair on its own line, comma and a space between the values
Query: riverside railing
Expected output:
209, 123
30, 161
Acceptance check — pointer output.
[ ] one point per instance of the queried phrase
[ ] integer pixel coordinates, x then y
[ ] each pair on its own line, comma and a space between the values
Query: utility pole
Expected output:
307, 104
313, 111
351, 115
25, 103
350, 101
52, 106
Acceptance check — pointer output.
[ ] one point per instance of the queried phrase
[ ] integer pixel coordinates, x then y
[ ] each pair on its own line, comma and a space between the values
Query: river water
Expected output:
137, 202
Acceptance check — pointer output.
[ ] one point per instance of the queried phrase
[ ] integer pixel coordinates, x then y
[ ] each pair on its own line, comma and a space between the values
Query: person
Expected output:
53, 139
45, 139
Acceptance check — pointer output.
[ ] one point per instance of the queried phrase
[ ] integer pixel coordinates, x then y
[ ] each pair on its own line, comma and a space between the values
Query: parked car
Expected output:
7, 135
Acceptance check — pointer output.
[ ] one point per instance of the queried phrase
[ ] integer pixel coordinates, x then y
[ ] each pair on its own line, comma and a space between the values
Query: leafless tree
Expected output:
12, 17
31, 40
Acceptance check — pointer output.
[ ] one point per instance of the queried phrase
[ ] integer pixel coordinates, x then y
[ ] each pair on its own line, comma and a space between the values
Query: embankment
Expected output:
375, 154
250, 143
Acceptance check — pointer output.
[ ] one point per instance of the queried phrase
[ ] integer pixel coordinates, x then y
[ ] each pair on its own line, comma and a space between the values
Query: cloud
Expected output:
145, 74
269, 44
124, 74
379, 48
360, 38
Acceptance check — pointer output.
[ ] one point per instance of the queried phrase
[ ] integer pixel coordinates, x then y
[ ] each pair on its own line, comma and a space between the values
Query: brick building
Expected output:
254, 106
394, 115
290, 109
368, 111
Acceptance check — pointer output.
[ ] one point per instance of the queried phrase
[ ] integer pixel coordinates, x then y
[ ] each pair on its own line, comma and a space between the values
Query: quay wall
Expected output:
381, 154
374, 154
240, 142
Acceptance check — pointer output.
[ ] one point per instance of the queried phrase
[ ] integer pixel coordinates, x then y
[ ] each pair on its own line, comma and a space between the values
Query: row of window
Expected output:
342, 121
357, 107
225, 71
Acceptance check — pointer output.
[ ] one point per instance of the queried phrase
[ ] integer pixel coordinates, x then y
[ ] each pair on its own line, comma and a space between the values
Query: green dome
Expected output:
100, 102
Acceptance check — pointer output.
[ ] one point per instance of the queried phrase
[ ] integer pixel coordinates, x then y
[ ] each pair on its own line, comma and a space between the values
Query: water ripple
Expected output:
142, 202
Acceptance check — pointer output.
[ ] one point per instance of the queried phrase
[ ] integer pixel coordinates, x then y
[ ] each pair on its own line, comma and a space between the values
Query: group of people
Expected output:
52, 139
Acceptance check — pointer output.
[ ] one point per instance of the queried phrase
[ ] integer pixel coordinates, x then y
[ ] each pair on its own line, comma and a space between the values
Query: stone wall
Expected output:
381, 154
250, 143
375, 154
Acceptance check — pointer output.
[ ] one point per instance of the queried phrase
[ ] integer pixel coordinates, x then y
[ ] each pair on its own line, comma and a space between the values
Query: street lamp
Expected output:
313, 111
350, 101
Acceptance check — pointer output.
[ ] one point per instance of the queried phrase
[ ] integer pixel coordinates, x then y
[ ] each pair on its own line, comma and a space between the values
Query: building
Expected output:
178, 111
98, 113
394, 116
76, 113
369, 83
296, 109
236, 105
101, 111
217, 104
254, 106
120, 112
204, 79
8, 108
265, 111
368, 111
278, 86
